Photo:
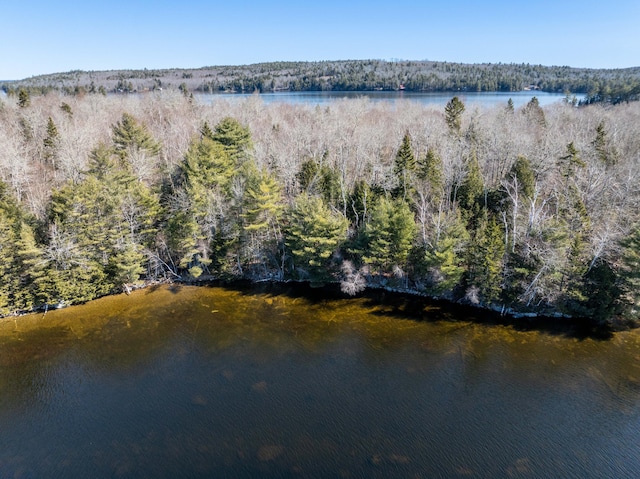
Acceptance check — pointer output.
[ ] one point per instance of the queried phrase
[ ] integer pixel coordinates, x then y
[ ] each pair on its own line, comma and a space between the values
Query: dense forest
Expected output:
599, 85
530, 210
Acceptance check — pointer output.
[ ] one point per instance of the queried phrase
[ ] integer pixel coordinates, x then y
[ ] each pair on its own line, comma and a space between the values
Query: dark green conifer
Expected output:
389, 235
431, 169
471, 190
313, 235
569, 162
24, 99
445, 255
523, 172
605, 153
67, 109
534, 112
630, 270
453, 115
235, 138
358, 203
404, 164
510, 107
206, 131
485, 259
51, 143
130, 135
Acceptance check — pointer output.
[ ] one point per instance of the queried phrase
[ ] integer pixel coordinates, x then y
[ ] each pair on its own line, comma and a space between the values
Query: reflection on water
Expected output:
212, 382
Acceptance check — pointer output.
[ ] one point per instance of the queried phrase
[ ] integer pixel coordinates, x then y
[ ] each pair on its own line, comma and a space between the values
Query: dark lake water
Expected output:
195, 382
438, 99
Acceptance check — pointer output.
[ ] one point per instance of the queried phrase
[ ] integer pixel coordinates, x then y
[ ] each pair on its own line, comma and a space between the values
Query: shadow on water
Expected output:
419, 308
174, 288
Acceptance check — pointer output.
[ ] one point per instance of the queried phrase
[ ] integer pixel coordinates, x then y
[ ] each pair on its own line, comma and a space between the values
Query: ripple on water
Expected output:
204, 382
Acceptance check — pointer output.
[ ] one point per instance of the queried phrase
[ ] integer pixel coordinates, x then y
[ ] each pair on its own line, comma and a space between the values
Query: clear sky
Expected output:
44, 36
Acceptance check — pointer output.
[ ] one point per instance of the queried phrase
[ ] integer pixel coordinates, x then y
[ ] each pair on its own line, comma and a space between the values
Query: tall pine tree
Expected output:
313, 235
404, 164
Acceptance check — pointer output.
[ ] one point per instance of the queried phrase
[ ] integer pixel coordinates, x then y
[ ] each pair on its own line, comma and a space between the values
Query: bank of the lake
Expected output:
407, 303
410, 303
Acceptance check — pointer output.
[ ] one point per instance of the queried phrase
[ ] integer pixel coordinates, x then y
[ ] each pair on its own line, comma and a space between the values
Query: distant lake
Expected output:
439, 99
288, 382
484, 99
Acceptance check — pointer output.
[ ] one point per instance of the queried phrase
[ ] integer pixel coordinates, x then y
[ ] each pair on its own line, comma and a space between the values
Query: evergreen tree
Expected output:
313, 235
51, 143
206, 131
101, 162
453, 115
358, 203
24, 99
571, 207
67, 109
29, 268
523, 172
485, 259
263, 203
317, 178
126, 264
187, 240
630, 270
83, 214
431, 170
11, 218
445, 257
308, 177
565, 240
470, 193
7, 247
129, 136
605, 153
569, 162
102, 225
404, 164
201, 227
602, 292
70, 275
522, 271
510, 107
235, 138
262, 212
389, 235
575, 268
535, 113
208, 165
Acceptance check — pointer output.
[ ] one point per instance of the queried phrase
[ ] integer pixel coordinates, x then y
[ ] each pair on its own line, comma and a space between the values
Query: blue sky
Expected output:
40, 37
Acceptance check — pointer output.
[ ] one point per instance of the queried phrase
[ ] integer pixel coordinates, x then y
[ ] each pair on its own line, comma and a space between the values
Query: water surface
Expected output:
437, 99
209, 382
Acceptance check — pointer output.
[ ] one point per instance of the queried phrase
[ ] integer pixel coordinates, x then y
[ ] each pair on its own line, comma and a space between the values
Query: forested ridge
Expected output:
525, 210
599, 85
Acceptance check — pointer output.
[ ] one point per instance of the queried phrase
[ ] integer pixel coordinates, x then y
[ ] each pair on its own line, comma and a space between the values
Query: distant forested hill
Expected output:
610, 85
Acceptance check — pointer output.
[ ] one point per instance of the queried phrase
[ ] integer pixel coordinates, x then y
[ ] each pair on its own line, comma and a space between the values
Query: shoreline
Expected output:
413, 303
409, 303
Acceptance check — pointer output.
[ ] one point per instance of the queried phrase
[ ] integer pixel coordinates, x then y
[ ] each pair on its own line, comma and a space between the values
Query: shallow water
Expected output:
212, 382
